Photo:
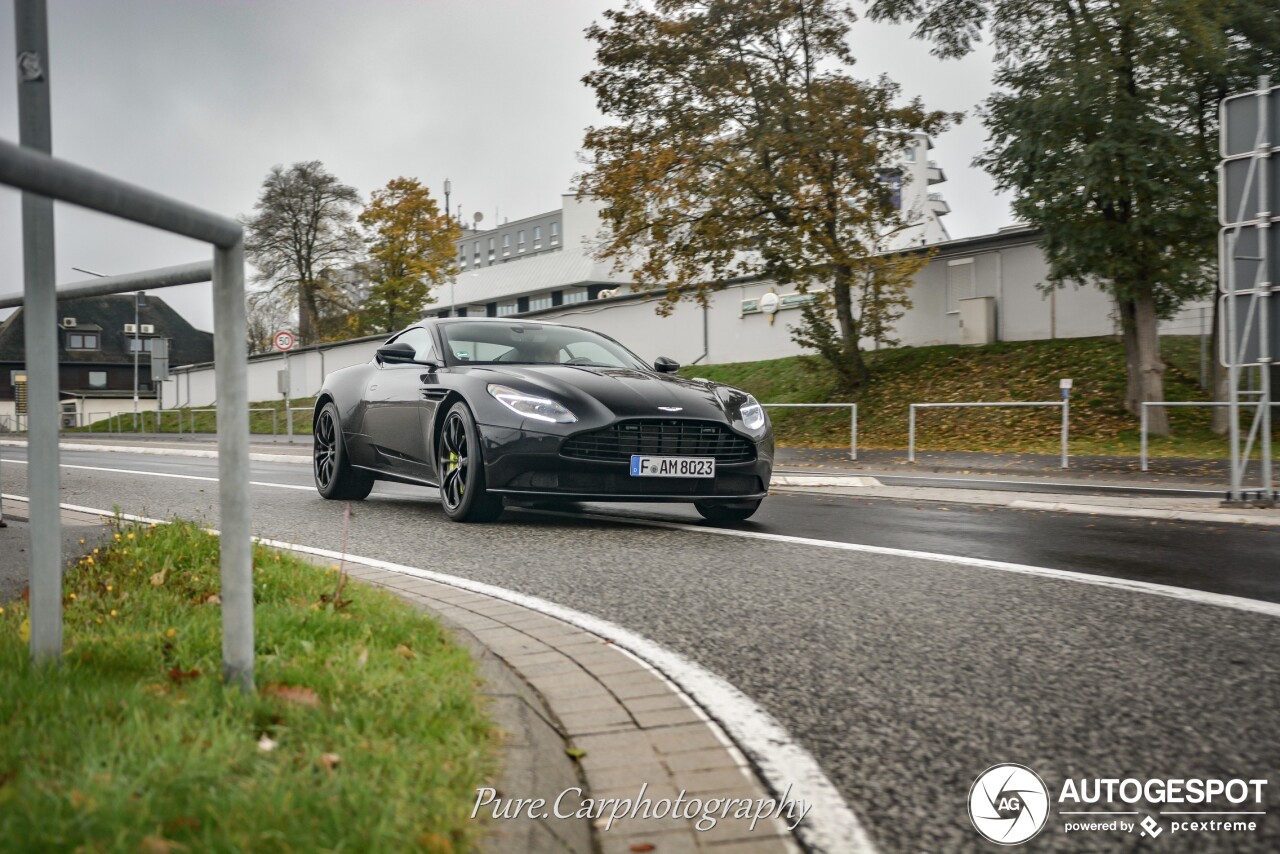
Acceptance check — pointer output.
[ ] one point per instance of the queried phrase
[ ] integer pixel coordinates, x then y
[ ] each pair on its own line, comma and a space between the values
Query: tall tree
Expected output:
411, 248
741, 146
300, 237
1105, 126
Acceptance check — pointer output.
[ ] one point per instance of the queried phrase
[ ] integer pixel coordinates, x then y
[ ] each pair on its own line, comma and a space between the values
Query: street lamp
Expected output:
139, 300
447, 187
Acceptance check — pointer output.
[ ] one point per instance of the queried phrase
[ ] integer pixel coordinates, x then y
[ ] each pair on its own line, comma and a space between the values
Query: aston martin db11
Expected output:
491, 410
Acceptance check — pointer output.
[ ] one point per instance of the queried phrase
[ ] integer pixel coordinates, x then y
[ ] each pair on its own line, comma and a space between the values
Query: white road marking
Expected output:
831, 825
1201, 597
169, 474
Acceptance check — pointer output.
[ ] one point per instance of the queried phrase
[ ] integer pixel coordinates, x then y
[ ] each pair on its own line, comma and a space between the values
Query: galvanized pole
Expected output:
1265, 288
1143, 407
853, 431
229, 335
911, 433
1066, 422
137, 312
288, 387
40, 316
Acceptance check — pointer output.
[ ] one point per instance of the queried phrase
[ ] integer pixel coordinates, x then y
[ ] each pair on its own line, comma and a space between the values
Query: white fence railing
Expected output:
1064, 405
1146, 404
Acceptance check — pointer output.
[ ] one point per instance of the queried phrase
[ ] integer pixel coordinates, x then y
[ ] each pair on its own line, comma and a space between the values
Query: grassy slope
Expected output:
1003, 371
133, 736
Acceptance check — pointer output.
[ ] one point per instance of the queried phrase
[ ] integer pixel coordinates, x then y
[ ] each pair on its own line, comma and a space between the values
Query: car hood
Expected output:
624, 393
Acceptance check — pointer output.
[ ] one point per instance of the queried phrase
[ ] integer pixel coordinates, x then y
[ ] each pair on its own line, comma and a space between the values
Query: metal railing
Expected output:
1148, 403
44, 179
1064, 405
853, 418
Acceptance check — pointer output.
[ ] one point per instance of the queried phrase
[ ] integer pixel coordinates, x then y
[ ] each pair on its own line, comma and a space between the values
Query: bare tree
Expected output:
300, 236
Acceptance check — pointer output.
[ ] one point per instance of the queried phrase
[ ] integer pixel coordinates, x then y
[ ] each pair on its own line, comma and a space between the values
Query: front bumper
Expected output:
527, 463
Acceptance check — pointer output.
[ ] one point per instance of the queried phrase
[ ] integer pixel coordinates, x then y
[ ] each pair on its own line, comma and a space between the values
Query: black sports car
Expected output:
492, 409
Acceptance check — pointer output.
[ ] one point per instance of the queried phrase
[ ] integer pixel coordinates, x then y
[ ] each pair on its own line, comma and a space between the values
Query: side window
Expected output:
423, 345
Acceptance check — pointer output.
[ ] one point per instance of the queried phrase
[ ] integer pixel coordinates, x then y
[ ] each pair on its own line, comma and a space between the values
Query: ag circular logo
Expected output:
1009, 804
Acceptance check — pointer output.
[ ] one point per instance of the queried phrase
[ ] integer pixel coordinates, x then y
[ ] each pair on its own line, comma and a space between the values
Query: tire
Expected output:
461, 469
334, 476
738, 511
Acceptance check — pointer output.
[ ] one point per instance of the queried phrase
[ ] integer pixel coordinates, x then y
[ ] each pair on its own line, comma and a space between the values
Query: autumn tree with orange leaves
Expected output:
741, 146
410, 244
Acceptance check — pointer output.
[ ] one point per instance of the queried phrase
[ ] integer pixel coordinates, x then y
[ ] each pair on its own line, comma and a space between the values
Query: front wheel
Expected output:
334, 475
737, 511
461, 468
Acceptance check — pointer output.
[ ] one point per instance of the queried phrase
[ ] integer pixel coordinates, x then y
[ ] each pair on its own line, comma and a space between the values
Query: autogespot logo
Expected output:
1009, 804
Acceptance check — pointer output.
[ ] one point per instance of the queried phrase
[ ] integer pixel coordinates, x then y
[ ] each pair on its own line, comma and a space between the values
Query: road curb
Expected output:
1145, 513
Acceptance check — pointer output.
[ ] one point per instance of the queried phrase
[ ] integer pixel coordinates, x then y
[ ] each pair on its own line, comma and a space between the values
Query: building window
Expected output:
555, 233
537, 237
82, 341
960, 283
539, 303
97, 379
490, 248
910, 154
506, 245
140, 345
574, 296
520, 240
506, 308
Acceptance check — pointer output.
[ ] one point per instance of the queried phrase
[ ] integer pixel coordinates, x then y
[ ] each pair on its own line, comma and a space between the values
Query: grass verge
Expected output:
1011, 370
364, 735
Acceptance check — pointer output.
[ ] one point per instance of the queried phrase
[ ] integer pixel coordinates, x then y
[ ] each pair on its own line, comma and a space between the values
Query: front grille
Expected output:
660, 437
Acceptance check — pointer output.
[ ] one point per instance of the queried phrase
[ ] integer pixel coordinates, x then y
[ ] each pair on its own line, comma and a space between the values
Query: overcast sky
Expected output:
197, 100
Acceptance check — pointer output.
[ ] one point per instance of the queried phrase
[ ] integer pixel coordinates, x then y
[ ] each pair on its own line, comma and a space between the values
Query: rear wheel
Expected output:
335, 477
718, 511
461, 468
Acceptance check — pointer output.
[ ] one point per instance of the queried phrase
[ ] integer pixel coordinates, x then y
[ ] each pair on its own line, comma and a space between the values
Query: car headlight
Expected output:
752, 415
531, 406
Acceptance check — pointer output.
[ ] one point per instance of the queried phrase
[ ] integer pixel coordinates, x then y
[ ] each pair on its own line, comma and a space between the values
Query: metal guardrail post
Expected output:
853, 431
31, 34
911, 433
1143, 443
1066, 427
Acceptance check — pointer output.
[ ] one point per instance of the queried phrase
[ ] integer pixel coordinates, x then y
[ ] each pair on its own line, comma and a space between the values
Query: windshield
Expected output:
484, 343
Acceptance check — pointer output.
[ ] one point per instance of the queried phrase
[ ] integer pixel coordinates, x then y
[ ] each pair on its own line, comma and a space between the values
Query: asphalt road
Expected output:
905, 677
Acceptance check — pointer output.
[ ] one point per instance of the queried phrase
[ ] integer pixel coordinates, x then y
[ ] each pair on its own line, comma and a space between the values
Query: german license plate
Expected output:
673, 466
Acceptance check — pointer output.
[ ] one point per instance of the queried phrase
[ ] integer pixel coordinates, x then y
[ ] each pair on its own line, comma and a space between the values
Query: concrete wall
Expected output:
1012, 275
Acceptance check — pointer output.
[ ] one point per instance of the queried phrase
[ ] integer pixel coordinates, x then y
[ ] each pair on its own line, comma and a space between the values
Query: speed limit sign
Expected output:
284, 340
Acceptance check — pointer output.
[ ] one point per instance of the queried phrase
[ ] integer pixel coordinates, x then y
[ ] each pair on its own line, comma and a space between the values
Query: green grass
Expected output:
205, 420
1003, 371
133, 742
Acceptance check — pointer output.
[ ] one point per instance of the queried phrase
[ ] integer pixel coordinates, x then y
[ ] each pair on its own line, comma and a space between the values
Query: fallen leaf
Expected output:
266, 745
404, 651
24, 631
296, 694
643, 846
182, 822
159, 845
363, 658
157, 580
434, 843
213, 599
329, 761
179, 675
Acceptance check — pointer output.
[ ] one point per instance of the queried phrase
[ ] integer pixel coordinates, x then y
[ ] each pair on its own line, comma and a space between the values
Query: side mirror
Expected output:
663, 365
397, 352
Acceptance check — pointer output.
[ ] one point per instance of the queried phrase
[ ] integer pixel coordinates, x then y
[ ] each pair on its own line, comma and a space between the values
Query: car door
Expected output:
394, 417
